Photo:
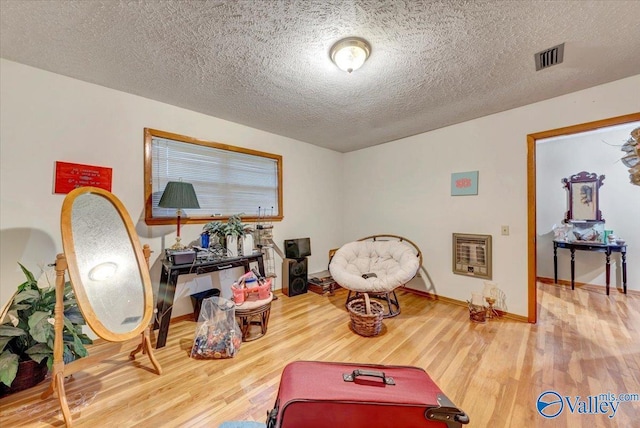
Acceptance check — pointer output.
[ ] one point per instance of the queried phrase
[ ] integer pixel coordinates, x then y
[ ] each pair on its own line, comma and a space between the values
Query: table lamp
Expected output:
178, 195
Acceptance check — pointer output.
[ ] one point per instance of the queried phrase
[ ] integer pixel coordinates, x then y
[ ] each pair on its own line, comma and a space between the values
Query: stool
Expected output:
254, 313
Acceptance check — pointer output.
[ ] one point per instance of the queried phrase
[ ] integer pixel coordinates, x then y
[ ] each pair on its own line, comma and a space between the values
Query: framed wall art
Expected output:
472, 255
464, 183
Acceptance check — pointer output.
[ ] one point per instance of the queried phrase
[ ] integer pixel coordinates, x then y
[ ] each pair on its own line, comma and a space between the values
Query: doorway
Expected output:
532, 263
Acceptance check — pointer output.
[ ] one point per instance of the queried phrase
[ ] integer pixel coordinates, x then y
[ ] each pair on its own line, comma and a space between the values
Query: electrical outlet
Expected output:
505, 230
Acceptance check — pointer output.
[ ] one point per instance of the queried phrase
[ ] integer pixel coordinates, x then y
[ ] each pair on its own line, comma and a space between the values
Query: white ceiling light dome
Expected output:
349, 54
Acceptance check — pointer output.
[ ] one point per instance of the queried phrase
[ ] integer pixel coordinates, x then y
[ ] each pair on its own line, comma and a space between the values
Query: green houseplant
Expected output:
214, 230
227, 234
27, 331
233, 227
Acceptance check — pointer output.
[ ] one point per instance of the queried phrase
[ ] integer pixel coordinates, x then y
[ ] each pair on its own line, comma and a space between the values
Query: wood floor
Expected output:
585, 343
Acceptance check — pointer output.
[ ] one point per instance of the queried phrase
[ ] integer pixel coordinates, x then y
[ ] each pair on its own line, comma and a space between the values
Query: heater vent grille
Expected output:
549, 57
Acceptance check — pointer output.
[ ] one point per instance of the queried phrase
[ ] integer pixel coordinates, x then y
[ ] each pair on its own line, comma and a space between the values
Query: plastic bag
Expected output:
217, 334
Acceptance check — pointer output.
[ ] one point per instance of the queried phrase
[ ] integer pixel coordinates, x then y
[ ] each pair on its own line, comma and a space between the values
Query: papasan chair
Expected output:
376, 265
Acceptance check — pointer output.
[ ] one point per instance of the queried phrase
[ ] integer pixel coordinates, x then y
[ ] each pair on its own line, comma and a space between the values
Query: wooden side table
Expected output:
253, 317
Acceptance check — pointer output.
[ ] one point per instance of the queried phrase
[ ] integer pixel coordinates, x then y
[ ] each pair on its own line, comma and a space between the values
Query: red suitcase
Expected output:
317, 394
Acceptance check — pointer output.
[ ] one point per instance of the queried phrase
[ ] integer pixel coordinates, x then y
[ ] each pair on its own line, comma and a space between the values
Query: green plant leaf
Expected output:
28, 294
20, 307
74, 315
28, 274
8, 367
77, 342
67, 355
8, 333
30, 283
41, 330
3, 342
9, 330
79, 348
39, 352
86, 340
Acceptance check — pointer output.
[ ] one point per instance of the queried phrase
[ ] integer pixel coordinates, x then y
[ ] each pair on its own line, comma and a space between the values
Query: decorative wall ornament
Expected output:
631, 158
464, 183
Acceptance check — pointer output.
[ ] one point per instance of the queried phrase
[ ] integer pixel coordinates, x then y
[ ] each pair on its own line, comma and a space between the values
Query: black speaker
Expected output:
294, 277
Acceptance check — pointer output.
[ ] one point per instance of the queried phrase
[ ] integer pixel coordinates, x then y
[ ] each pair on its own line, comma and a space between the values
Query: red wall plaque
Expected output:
72, 175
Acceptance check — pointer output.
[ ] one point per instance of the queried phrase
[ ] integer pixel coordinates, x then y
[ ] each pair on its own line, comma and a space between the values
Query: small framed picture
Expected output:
464, 183
472, 255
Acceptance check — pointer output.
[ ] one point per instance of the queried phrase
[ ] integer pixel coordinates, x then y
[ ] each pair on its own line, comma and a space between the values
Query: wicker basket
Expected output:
29, 374
366, 316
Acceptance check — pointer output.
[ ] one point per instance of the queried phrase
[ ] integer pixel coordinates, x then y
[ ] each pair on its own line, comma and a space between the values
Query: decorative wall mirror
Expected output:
583, 197
109, 276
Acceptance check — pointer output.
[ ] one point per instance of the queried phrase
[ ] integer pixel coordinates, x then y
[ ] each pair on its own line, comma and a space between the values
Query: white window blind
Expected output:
226, 182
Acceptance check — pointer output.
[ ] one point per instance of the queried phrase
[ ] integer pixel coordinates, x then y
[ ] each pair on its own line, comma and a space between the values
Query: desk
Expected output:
600, 248
169, 279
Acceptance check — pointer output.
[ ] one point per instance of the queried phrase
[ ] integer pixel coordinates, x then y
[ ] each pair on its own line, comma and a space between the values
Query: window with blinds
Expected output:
228, 180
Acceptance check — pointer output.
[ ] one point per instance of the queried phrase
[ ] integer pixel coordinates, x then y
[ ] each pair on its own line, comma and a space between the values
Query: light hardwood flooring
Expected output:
585, 343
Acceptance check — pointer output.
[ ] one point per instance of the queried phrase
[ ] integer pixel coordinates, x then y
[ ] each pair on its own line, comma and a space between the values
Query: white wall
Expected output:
45, 117
599, 152
403, 187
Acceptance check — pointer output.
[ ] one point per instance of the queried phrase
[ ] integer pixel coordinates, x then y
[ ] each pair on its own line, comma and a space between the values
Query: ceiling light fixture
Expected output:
349, 54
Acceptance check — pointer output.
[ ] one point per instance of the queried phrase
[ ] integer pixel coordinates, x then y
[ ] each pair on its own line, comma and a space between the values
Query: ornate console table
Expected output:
597, 247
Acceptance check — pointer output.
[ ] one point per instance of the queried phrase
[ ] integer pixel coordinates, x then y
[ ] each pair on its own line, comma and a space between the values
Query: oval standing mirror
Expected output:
109, 275
106, 266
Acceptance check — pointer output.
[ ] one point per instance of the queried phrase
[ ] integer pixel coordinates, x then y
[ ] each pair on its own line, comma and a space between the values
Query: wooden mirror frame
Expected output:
591, 183
68, 261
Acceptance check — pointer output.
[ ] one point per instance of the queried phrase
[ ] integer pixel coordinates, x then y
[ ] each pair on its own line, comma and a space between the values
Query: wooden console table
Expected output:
600, 248
169, 279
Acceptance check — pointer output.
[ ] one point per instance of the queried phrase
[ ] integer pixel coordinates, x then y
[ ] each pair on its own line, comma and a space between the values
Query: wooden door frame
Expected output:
532, 262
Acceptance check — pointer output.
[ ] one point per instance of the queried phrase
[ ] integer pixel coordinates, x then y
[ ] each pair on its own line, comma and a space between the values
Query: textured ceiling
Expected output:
265, 64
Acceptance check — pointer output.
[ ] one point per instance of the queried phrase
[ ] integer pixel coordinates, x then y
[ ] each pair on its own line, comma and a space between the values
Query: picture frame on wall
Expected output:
472, 255
464, 183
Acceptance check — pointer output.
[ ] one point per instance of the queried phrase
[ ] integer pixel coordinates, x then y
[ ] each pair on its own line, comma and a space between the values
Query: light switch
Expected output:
505, 230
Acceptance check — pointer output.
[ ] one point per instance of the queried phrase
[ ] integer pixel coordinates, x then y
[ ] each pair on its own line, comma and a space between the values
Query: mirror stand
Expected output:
57, 378
60, 369
145, 342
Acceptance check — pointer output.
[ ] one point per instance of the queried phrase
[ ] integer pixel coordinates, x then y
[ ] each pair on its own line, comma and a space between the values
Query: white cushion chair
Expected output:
376, 265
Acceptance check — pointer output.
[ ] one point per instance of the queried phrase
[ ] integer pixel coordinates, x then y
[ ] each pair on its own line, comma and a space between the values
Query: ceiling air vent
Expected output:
549, 57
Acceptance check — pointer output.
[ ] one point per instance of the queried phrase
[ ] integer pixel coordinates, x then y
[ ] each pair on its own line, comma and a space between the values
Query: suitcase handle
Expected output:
351, 377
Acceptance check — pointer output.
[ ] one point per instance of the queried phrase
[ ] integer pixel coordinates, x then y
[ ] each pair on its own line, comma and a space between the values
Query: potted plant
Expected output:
214, 231
234, 226
27, 334
233, 230
227, 233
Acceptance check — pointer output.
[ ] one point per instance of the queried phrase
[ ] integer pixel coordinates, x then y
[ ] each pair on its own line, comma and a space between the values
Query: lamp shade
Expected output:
179, 195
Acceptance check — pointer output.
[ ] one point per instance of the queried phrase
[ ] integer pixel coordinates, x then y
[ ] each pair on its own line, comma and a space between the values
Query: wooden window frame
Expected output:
148, 180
